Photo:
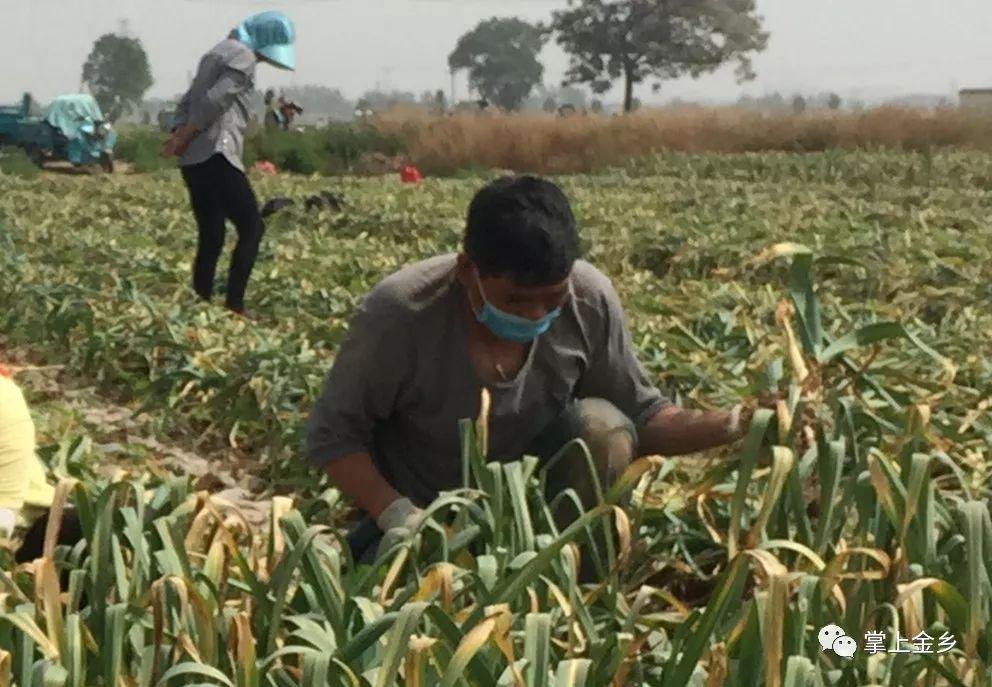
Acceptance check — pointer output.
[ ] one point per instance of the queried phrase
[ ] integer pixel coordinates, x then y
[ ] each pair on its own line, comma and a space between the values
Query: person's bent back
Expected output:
25, 493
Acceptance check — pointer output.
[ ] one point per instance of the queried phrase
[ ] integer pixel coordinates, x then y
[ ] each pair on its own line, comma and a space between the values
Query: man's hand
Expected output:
400, 513
358, 479
179, 141
743, 413
678, 431
398, 521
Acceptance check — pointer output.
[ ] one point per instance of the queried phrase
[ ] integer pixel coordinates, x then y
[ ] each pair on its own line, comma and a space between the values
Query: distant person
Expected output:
273, 117
25, 493
209, 139
288, 111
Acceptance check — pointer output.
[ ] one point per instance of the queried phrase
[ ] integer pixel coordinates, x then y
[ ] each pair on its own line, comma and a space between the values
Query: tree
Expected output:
501, 58
798, 104
833, 101
550, 105
640, 40
117, 73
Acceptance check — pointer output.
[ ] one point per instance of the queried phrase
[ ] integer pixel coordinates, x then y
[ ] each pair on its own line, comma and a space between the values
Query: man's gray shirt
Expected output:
217, 104
403, 378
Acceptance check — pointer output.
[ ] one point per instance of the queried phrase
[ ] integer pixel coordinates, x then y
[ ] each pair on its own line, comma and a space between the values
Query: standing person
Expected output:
519, 313
289, 110
209, 139
273, 118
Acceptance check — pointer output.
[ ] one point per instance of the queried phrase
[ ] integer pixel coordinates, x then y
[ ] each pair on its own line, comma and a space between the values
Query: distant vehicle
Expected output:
73, 129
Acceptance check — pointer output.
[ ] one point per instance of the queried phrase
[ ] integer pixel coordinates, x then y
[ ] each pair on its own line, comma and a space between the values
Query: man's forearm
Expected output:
678, 431
357, 478
182, 112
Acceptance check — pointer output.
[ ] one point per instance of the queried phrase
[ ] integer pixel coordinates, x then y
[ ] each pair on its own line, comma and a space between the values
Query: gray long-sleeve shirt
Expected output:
217, 103
403, 378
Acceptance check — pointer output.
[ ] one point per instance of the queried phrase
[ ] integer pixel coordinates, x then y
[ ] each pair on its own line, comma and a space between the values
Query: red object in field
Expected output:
410, 175
265, 167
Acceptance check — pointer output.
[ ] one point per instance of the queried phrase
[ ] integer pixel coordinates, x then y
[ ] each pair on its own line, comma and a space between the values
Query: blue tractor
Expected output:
73, 129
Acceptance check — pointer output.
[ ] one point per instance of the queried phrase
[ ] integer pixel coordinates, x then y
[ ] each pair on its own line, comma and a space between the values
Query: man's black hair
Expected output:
522, 227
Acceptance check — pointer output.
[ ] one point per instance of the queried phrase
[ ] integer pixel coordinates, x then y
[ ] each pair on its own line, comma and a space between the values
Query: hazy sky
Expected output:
856, 47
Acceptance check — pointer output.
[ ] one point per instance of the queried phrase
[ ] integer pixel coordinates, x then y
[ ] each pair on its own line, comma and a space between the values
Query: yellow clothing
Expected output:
24, 487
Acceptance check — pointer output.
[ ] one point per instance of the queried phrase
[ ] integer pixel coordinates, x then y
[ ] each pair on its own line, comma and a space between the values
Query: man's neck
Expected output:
495, 359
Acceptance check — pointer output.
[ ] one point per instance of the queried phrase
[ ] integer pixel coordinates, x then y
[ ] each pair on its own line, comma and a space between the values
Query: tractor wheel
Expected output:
107, 162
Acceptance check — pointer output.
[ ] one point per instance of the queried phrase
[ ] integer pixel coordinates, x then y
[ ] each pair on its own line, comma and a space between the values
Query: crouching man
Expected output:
516, 312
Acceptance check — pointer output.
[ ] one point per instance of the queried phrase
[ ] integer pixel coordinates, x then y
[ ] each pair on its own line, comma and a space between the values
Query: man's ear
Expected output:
465, 274
463, 268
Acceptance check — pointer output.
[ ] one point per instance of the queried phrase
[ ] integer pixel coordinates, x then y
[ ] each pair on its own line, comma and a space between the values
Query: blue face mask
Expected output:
512, 327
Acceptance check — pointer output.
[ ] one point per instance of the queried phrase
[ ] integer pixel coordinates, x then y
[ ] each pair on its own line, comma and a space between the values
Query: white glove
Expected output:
397, 522
8, 520
400, 513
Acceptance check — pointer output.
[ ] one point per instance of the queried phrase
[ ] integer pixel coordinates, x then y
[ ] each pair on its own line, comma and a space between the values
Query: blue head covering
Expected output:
271, 34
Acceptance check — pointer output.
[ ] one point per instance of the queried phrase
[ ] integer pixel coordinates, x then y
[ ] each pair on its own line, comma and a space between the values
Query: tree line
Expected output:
607, 41
630, 41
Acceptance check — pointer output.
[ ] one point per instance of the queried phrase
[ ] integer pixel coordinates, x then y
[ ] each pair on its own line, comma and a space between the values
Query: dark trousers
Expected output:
33, 541
363, 539
218, 191
612, 441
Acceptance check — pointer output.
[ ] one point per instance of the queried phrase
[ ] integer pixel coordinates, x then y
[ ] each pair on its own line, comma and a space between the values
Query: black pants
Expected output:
611, 439
218, 191
33, 543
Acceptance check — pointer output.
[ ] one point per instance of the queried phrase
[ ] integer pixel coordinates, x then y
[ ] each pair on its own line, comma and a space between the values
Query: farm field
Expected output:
857, 284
